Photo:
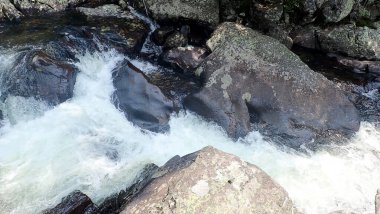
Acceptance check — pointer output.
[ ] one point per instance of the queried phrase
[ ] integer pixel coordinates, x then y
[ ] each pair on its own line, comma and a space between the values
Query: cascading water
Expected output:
87, 144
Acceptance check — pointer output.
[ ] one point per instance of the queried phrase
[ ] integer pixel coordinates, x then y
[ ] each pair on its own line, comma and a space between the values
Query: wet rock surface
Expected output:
75, 203
143, 103
210, 181
36, 74
186, 58
203, 11
280, 92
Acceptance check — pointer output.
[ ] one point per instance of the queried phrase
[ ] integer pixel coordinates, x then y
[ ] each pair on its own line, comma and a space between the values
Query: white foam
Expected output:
87, 144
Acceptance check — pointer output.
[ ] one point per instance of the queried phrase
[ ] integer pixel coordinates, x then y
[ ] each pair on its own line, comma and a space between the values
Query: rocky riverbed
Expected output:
174, 106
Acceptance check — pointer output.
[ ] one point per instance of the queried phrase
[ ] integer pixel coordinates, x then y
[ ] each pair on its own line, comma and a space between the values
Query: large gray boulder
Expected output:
252, 77
336, 10
211, 181
203, 11
357, 42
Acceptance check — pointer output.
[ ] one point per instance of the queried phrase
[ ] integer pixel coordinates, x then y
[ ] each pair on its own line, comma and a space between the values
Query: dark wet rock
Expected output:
75, 203
249, 76
305, 37
210, 181
230, 9
160, 35
36, 74
113, 204
336, 10
202, 11
186, 58
365, 66
176, 39
265, 13
142, 102
281, 34
8, 11
113, 19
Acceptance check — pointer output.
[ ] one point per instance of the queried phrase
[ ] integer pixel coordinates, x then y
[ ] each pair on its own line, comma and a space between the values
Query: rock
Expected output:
336, 10
266, 13
356, 42
342, 212
377, 202
142, 102
186, 58
249, 75
305, 37
38, 75
176, 39
75, 203
113, 19
160, 35
211, 181
365, 66
203, 11
8, 11
31, 7
112, 204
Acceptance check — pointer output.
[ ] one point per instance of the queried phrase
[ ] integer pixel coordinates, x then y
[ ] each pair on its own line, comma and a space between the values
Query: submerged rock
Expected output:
203, 11
75, 203
36, 74
252, 77
211, 181
142, 102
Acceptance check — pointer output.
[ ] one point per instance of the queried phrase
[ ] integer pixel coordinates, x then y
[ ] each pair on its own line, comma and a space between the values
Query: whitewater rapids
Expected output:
87, 144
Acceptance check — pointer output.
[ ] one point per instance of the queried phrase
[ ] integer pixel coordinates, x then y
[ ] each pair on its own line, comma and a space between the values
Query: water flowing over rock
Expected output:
251, 76
211, 181
75, 203
36, 74
204, 11
142, 102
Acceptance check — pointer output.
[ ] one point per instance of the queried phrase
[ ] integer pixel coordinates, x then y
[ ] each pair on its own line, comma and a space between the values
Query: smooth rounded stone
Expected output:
211, 181
30, 7
202, 11
108, 10
176, 39
143, 103
36, 74
252, 77
75, 203
336, 10
372, 67
356, 42
8, 11
187, 58
377, 202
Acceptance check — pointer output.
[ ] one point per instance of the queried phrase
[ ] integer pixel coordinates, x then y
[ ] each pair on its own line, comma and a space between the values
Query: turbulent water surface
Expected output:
87, 144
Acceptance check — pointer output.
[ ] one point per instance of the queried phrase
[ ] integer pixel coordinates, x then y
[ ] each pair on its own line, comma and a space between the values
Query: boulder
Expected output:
187, 58
8, 11
31, 7
36, 74
252, 77
75, 203
202, 11
160, 35
176, 39
112, 18
336, 10
350, 40
142, 102
211, 181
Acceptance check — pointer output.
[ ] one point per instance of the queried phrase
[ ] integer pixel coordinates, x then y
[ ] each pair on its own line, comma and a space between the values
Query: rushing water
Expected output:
87, 144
